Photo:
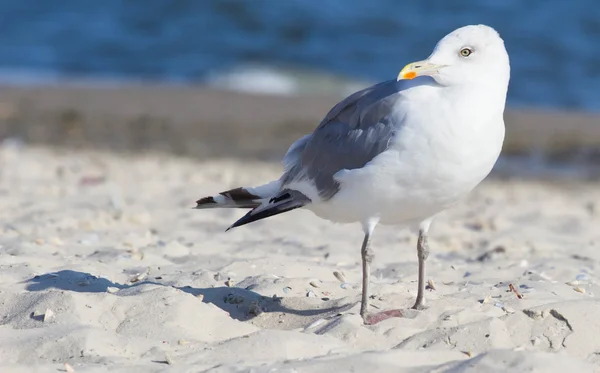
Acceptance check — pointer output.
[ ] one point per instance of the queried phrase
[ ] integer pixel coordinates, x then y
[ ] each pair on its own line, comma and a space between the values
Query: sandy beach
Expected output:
105, 267
203, 122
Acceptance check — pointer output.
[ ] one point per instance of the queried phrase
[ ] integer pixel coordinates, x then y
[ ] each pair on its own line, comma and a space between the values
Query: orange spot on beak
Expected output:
410, 75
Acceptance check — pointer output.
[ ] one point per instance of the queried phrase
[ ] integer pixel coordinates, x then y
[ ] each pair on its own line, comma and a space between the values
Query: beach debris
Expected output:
340, 276
69, 368
384, 315
182, 342
538, 276
139, 276
287, 289
112, 289
468, 353
477, 225
581, 257
572, 283
582, 277
314, 284
326, 293
491, 254
536, 314
311, 294
430, 284
200, 297
315, 323
168, 359
56, 241
230, 282
39, 241
48, 315
508, 309
487, 299
254, 308
345, 285
233, 299
514, 290
579, 289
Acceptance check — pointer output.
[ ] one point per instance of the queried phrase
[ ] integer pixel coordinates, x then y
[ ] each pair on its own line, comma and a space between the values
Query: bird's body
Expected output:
425, 168
399, 152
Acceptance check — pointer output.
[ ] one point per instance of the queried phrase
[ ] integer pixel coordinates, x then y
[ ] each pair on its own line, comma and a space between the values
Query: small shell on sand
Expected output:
112, 289
340, 276
314, 284
182, 342
139, 277
431, 284
230, 283
200, 297
69, 368
579, 289
48, 315
311, 294
168, 359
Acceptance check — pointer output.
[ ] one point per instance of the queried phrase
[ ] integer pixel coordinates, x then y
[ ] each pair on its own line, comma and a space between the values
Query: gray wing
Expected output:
355, 131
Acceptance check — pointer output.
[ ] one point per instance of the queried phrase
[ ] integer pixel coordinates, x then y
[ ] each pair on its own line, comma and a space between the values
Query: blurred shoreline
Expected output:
203, 122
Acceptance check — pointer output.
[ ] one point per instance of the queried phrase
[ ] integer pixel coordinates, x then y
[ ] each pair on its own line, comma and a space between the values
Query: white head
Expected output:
470, 55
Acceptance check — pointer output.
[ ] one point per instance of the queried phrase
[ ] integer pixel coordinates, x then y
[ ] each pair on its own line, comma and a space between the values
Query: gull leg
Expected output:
367, 258
422, 254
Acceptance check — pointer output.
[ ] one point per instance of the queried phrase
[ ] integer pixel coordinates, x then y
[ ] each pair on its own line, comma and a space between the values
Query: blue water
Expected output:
554, 44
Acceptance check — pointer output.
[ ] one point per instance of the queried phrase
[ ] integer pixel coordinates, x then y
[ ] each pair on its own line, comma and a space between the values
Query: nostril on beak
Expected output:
417, 66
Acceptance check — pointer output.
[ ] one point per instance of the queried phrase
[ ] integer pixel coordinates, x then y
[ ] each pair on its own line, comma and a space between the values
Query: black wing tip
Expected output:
280, 208
205, 201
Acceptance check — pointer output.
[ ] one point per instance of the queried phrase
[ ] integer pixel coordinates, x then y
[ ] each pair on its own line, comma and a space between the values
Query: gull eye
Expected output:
466, 52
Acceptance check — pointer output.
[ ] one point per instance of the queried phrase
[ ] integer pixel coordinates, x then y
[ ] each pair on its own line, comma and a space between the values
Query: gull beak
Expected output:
419, 68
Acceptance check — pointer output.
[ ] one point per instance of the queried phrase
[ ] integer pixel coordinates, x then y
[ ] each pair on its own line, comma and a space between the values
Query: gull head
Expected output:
469, 55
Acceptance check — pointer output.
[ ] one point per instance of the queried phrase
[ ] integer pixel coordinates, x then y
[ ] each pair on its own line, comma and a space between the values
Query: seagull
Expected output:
396, 153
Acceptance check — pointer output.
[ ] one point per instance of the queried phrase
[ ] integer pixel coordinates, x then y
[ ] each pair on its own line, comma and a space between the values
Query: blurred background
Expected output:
185, 76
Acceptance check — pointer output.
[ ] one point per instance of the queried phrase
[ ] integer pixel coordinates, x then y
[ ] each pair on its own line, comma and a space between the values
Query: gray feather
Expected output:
354, 132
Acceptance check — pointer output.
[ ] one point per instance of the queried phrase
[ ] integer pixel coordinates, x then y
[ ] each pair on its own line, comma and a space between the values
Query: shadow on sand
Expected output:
241, 304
